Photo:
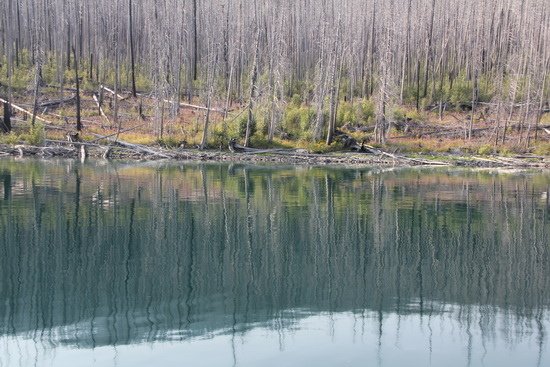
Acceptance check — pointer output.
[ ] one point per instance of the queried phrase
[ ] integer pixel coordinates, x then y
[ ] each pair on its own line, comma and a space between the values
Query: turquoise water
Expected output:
140, 264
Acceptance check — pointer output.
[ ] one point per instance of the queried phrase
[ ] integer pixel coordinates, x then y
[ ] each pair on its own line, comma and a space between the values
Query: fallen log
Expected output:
234, 147
56, 102
24, 150
66, 118
68, 89
136, 147
112, 92
96, 100
202, 108
406, 159
25, 111
117, 133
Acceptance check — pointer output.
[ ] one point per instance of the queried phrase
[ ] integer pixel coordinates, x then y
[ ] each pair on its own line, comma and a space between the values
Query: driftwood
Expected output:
46, 151
415, 161
364, 148
137, 147
236, 148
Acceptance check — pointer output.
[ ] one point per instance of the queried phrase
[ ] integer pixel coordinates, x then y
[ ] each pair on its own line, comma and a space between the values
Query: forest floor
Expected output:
436, 140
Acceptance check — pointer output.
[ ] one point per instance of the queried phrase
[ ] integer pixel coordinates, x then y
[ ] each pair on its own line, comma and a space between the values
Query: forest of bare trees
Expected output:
486, 58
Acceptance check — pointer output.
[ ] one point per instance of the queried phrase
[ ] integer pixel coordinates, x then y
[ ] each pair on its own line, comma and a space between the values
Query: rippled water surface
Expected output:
142, 264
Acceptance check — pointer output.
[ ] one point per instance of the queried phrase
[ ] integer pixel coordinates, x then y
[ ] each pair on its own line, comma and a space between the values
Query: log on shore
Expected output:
137, 147
412, 161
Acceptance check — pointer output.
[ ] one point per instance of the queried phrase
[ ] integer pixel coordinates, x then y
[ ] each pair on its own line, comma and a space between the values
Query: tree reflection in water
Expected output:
111, 254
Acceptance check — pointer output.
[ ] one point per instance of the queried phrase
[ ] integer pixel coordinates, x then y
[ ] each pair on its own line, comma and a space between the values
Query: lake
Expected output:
183, 264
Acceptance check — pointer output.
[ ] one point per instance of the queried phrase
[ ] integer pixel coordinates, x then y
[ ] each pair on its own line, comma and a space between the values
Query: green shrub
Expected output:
347, 113
366, 112
296, 100
169, 142
11, 139
416, 116
297, 121
485, 150
219, 136
542, 149
399, 114
243, 121
35, 136
461, 94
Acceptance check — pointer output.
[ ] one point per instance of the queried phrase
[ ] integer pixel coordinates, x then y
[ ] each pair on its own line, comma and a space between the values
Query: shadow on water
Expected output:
113, 254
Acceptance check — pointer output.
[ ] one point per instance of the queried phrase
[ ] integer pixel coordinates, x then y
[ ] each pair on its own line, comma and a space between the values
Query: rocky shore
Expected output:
380, 158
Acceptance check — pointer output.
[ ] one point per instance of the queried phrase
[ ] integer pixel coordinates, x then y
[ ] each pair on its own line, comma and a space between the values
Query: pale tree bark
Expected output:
253, 80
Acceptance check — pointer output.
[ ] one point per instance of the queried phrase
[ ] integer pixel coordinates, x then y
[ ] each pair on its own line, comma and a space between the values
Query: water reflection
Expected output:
101, 255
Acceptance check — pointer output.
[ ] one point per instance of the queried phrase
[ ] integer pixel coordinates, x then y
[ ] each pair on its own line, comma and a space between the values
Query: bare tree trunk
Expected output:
253, 79
131, 35
204, 140
37, 82
474, 104
429, 50
541, 106
407, 50
9, 47
195, 42
117, 68
77, 79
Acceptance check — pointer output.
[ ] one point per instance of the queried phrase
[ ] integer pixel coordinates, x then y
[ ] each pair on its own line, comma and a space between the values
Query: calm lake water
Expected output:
148, 264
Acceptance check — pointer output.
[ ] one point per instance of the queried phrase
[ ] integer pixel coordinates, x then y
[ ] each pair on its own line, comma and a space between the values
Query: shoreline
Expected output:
296, 158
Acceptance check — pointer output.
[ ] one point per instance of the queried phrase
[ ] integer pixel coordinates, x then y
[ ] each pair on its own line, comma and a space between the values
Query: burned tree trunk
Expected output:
5, 124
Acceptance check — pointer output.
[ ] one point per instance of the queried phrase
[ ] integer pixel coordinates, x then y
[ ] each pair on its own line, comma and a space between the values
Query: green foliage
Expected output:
169, 142
460, 95
219, 136
366, 112
299, 87
461, 92
243, 121
36, 134
415, 115
297, 121
33, 136
399, 114
347, 114
542, 149
296, 100
11, 139
485, 150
